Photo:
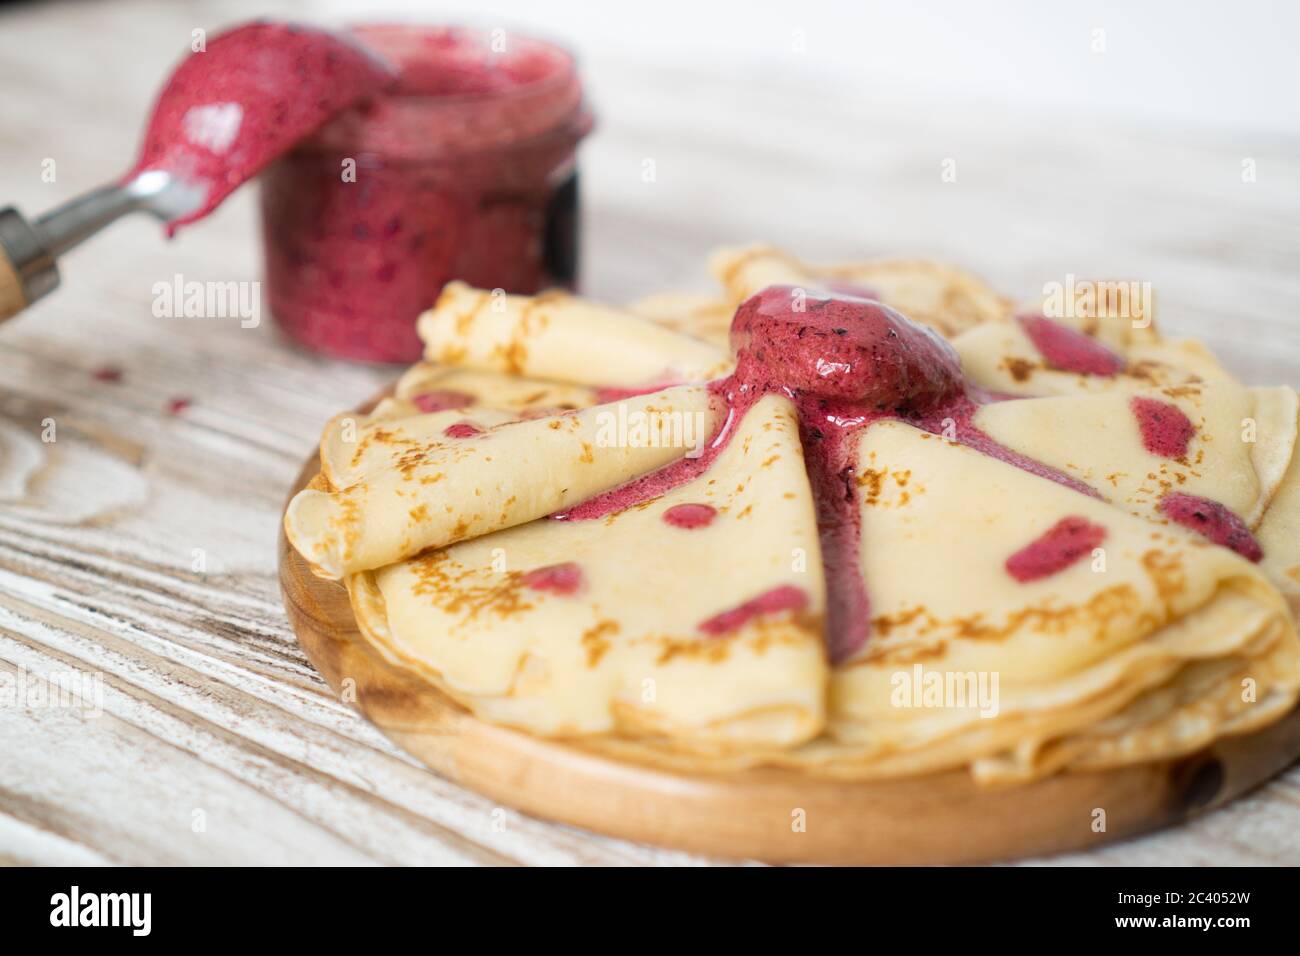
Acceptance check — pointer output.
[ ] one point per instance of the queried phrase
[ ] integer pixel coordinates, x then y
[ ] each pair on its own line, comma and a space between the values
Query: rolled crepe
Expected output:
354, 447
1001, 357
947, 299
1094, 662
609, 638
428, 401
561, 337
1117, 314
429, 387
448, 490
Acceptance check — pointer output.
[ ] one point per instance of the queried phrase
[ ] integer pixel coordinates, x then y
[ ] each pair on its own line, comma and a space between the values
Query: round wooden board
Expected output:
941, 818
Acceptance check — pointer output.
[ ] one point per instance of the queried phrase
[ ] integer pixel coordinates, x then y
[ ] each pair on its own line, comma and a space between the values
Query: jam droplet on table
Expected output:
563, 579
1067, 350
690, 516
787, 597
1166, 431
1063, 544
1212, 520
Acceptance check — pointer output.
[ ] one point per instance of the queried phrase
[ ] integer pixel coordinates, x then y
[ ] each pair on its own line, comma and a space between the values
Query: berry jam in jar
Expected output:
465, 170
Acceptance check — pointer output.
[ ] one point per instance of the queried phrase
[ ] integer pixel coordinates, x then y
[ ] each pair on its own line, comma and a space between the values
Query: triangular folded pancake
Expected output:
561, 337
1279, 534
1116, 313
1001, 357
947, 299
705, 317
1239, 443
449, 489
1070, 650
609, 641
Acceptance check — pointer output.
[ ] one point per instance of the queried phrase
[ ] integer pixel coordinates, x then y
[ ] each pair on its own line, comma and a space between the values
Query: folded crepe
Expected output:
1278, 532
600, 627
429, 486
705, 317
1104, 340
431, 403
1032, 599
1088, 661
943, 297
1222, 442
1037, 355
428, 387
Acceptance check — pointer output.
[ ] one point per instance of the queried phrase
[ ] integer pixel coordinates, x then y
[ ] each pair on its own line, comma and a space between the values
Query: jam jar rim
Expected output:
430, 127
564, 73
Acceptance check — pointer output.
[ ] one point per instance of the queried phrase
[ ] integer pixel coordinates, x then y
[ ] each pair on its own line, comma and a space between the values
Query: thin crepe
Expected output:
945, 298
438, 491
1001, 357
1244, 439
427, 401
427, 385
1278, 533
624, 653
1074, 652
704, 317
561, 337
1151, 644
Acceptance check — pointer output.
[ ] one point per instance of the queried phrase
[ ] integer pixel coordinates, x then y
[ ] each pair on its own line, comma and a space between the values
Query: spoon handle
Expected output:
27, 267
66, 226
28, 250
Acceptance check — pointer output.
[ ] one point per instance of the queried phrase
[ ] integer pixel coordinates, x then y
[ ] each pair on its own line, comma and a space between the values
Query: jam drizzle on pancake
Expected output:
846, 363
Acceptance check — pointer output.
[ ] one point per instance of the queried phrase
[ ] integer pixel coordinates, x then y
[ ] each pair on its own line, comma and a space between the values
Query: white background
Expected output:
1230, 64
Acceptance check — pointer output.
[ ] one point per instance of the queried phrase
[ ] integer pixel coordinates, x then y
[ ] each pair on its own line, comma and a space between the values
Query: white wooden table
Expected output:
139, 547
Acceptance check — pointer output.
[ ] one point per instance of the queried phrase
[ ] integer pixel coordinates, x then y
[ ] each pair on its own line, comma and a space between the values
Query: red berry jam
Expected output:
787, 597
690, 515
1166, 431
465, 171
1212, 520
807, 343
564, 579
1068, 350
1065, 543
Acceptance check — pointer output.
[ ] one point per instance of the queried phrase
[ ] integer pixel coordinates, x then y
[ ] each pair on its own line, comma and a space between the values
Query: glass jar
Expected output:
465, 171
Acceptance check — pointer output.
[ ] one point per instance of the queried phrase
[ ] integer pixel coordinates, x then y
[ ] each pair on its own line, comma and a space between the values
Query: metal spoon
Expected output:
226, 112
29, 250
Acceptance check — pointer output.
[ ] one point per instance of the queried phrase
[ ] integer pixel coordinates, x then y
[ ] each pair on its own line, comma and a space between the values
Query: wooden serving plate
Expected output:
939, 818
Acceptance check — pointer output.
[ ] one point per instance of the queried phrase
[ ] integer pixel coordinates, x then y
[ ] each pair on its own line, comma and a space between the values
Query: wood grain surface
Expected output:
138, 548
